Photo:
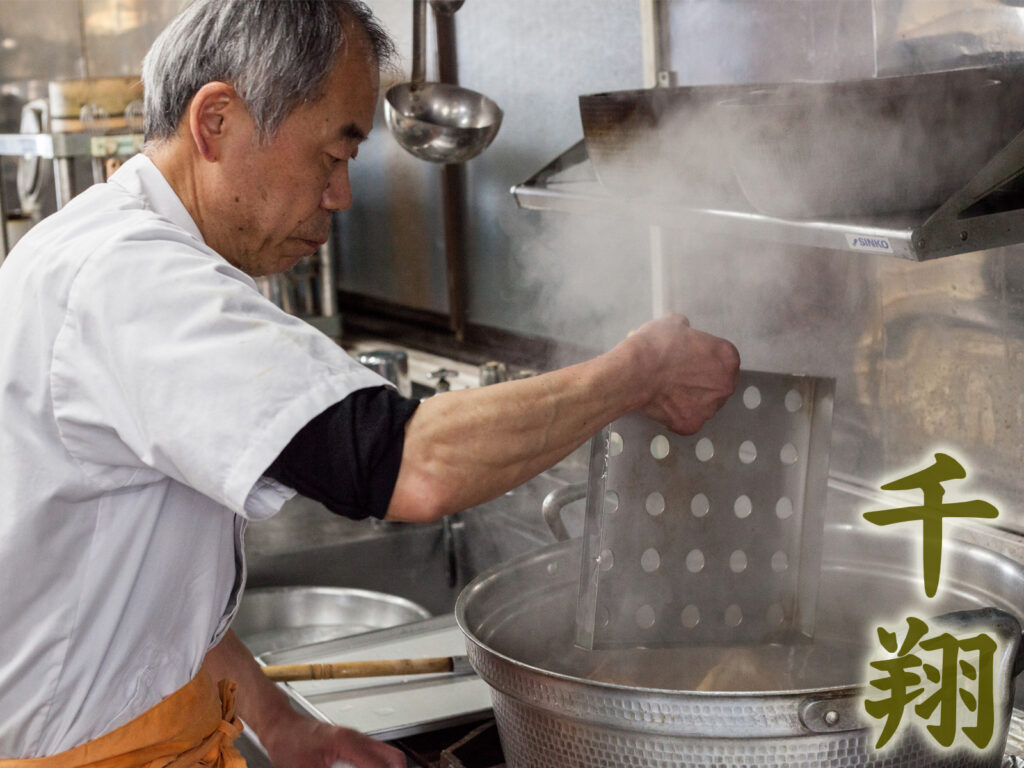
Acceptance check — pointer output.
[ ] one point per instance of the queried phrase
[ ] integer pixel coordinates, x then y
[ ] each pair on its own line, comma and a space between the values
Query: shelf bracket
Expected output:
972, 218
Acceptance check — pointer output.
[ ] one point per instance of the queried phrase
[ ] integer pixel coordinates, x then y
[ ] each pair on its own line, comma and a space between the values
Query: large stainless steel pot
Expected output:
558, 705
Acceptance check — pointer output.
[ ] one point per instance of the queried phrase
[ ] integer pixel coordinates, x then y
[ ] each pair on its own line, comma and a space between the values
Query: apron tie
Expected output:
194, 727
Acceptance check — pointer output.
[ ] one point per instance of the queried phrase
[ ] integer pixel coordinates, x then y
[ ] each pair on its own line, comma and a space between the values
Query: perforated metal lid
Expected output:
713, 537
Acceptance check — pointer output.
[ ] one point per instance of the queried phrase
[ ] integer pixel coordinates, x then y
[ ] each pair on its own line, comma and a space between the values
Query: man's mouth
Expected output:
314, 245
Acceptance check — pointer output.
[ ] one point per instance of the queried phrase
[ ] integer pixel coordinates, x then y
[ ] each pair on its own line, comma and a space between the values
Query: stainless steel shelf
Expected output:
57, 145
569, 184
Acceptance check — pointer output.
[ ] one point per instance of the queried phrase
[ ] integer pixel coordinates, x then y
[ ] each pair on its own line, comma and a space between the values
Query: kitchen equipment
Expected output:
33, 172
73, 103
271, 618
662, 144
392, 364
768, 706
493, 372
379, 668
871, 146
439, 122
395, 707
713, 537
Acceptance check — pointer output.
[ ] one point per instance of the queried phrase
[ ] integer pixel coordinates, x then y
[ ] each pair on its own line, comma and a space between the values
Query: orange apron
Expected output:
193, 727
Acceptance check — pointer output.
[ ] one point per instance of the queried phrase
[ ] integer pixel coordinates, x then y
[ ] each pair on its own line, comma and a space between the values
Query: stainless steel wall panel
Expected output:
40, 40
391, 242
744, 41
117, 33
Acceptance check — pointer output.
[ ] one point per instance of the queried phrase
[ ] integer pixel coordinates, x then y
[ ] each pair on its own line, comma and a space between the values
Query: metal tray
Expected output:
391, 707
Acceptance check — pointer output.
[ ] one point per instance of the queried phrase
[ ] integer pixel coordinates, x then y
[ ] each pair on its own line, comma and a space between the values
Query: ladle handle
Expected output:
552, 506
419, 41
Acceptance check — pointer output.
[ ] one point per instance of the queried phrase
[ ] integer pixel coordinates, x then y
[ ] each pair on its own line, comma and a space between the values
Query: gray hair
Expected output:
276, 54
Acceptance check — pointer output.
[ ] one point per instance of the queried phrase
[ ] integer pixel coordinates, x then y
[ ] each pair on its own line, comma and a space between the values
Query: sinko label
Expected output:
869, 243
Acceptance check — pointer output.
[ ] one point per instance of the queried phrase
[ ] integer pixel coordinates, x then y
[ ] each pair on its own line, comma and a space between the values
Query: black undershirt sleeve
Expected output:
347, 458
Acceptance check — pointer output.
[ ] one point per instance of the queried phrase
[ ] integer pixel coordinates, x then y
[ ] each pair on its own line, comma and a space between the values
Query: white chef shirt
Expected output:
145, 385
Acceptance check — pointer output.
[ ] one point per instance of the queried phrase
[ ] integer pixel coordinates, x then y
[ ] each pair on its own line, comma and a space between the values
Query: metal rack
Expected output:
983, 214
63, 149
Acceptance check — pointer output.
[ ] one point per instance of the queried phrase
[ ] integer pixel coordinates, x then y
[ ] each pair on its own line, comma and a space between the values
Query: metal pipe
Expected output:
99, 172
64, 180
453, 193
419, 41
328, 289
5, 245
453, 181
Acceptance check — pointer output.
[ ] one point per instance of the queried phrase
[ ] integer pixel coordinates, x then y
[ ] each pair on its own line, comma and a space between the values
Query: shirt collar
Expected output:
140, 176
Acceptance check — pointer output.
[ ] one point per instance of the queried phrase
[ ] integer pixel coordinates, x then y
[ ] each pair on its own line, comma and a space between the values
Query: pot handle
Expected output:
842, 713
833, 714
1018, 663
1006, 624
554, 503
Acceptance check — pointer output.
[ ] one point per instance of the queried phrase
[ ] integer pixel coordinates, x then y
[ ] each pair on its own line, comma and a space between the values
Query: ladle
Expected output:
439, 122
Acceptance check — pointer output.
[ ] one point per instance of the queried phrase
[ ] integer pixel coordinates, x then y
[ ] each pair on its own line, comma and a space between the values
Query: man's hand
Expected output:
689, 374
307, 743
291, 739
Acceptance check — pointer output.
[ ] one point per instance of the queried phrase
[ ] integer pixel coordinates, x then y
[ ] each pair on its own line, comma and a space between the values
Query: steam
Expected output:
592, 278
789, 309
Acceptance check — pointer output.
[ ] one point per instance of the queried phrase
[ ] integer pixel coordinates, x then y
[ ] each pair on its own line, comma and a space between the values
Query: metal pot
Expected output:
275, 618
556, 704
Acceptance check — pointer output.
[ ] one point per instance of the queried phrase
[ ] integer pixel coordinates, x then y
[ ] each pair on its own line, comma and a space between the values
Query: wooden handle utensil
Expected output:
348, 669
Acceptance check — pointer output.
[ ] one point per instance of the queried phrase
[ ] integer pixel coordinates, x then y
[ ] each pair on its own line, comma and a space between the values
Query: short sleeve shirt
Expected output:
145, 386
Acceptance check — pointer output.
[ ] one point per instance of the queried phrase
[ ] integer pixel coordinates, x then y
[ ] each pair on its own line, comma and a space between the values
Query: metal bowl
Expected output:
275, 618
439, 122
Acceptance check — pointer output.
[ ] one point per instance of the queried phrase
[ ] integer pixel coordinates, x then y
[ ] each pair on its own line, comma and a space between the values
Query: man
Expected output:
151, 401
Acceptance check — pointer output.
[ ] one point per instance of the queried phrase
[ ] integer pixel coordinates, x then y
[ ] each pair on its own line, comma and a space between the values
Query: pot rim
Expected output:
493, 573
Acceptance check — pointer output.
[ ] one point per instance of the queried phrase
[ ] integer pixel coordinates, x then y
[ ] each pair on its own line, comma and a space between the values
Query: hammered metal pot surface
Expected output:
550, 711
534, 737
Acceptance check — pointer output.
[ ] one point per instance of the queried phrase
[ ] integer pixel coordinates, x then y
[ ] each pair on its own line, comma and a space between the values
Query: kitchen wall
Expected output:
533, 57
42, 40
927, 356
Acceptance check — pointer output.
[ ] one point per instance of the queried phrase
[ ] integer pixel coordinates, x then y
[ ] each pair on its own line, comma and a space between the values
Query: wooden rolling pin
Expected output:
383, 668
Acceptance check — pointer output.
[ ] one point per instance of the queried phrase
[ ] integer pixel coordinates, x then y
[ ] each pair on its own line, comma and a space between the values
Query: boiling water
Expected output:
821, 663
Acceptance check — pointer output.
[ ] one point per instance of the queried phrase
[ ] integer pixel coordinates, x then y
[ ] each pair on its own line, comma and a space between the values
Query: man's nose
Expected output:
338, 194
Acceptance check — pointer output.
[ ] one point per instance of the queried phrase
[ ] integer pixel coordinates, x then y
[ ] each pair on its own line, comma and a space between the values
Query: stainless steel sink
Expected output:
307, 545
426, 563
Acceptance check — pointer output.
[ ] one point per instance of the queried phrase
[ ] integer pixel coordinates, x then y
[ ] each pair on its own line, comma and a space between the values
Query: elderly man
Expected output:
151, 402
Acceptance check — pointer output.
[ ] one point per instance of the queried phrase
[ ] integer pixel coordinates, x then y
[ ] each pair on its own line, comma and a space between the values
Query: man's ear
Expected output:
207, 112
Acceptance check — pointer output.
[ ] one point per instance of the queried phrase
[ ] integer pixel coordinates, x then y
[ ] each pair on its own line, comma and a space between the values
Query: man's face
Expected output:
272, 204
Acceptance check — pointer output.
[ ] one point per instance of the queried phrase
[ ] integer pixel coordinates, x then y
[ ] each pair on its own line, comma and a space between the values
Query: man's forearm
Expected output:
463, 448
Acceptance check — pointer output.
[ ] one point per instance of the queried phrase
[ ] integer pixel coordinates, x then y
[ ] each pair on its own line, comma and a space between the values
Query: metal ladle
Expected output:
439, 122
